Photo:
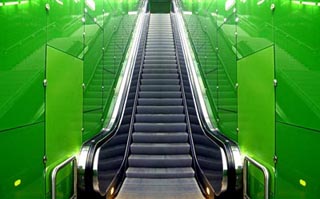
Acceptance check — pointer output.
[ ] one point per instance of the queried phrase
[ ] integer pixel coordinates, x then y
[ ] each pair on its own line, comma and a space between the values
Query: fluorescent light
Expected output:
11, 3
214, 14
308, 3
24, 2
132, 12
59, 2
187, 13
1, 4
260, 2
91, 4
296, 2
229, 4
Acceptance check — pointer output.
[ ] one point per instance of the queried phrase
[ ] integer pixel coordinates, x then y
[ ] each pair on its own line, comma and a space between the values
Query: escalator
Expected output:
160, 148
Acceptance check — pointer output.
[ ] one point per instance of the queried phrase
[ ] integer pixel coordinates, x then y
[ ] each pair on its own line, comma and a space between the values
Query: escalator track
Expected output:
159, 149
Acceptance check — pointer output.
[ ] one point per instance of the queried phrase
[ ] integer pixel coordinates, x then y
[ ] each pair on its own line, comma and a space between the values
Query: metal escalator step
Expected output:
160, 102
160, 109
152, 137
160, 161
159, 70
160, 88
160, 82
170, 53
160, 127
163, 61
160, 66
160, 118
159, 76
138, 188
159, 50
160, 148
159, 56
161, 94
142, 172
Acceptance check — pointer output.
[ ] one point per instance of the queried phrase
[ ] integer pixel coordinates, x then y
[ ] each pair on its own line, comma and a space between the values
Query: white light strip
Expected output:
11, 3
187, 13
308, 3
24, 2
91, 4
59, 2
1, 4
132, 13
260, 2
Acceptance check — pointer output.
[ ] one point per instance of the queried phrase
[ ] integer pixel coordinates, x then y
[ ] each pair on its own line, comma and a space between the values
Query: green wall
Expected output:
95, 34
223, 34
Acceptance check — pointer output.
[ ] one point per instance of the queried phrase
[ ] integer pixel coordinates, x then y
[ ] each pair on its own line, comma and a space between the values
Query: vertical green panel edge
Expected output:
64, 106
256, 109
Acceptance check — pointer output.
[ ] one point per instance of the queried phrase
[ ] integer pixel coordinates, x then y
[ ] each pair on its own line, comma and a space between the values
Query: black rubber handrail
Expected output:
120, 176
91, 146
222, 141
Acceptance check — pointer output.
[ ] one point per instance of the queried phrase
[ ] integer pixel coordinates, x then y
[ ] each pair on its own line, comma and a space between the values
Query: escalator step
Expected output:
152, 137
142, 172
159, 76
160, 148
162, 118
160, 109
162, 94
160, 81
160, 102
160, 161
160, 88
160, 127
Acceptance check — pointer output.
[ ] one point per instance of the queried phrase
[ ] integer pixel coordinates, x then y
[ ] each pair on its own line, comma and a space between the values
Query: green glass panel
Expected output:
63, 117
94, 10
255, 26
22, 61
297, 38
65, 26
92, 124
93, 65
256, 110
256, 104
22, 150
297, 167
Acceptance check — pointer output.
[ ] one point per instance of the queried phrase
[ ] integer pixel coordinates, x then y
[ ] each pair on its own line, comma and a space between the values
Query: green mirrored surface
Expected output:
65, 26
255, 26
22, 167
22, 61
297, 63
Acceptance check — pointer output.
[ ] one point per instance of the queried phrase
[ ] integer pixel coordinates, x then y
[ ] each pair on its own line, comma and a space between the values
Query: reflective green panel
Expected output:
63, 117
94, 10
297, 63
92, 124
22, 169
255, 26
256, 110
22, 61
225, 11
227, 76
115, 52
297, 169
65, 26
93, 65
